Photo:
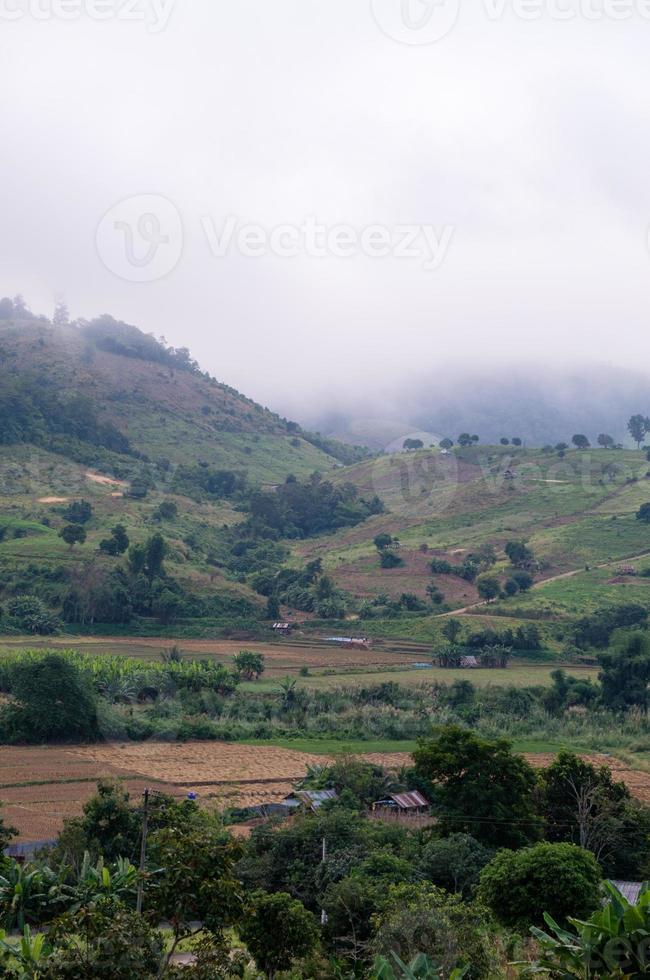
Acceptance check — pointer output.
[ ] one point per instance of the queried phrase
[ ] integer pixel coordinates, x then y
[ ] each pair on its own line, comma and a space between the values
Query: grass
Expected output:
581, 594
517, 675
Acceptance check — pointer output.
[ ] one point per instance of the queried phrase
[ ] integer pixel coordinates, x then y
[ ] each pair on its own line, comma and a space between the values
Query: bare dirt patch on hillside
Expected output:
104, 481
365, 578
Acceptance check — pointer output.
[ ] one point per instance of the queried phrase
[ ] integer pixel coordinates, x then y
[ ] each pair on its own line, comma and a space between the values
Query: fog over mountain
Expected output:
146, 156
540, 405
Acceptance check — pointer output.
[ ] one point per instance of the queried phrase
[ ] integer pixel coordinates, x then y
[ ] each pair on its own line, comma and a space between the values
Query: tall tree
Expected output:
53, 701
73, 534
277, 930
625, 672
480, 787
61, 316
638, 427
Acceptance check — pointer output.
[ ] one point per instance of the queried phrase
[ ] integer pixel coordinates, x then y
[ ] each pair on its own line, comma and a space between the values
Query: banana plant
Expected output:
420, 968
26, 892
613, 944
96, 881
28, 953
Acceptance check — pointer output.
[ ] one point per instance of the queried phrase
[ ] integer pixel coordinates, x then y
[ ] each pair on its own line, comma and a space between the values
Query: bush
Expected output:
32, 615
520, 886
78, 512
439, 566
277, 930
454, 863
390, 560
52, 701
424, 919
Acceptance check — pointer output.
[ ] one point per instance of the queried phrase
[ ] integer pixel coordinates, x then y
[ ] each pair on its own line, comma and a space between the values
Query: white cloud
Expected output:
529, 138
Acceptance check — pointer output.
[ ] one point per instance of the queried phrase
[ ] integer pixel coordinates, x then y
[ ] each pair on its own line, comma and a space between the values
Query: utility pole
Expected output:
323, 914
143, 851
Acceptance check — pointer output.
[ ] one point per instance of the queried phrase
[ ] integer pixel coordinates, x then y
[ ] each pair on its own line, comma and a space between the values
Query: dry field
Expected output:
280, 657
40, 787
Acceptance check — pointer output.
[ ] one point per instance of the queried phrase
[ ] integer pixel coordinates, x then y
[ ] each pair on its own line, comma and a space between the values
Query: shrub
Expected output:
52, 701
390, 560
520, 886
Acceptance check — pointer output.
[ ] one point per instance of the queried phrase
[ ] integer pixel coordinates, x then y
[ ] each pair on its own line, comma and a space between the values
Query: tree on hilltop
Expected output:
412, 444
638, 427
580, 441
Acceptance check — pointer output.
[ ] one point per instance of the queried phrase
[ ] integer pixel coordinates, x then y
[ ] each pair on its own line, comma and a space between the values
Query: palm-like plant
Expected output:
420, 968
26, 892
288, 693
612, 943
118, 690
172, 655
97, 881
28, 953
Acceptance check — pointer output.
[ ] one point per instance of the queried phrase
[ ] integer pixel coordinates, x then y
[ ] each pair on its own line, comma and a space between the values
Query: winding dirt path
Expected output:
545, 581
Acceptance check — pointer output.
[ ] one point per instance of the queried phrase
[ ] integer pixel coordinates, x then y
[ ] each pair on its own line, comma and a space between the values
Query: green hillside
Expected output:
232, 515
575, 510
103, 413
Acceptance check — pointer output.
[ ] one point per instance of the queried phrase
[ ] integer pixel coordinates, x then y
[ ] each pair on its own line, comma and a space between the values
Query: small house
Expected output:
308, 799
282, 629
469, 663
350, 642
406, 803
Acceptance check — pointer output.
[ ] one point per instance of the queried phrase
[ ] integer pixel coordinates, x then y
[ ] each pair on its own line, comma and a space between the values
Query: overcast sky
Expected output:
508, 159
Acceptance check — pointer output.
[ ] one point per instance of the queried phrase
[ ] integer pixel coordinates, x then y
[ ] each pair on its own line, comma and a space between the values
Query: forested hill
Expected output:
91, 390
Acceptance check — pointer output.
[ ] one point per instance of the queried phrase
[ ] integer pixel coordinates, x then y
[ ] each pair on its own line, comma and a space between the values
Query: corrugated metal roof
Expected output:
28, 848
409, 801
629, 890
311, 797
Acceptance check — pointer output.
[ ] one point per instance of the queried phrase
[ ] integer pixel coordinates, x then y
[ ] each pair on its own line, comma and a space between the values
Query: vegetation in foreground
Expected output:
338, 892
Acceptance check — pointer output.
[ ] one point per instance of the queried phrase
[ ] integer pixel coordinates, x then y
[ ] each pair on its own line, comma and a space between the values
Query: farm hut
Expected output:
309, 799
349, 642
629, 890
469, 662
281, 628
406, 803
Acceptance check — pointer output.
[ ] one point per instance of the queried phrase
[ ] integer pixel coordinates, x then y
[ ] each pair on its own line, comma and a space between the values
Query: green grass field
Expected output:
517, 675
